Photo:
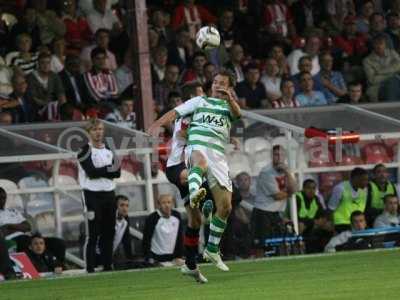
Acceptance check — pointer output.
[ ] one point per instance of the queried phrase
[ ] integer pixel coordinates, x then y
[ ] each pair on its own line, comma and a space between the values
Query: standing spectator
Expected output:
227, 30
44, 86
98, 166
192, 16
196, 73
103, 17
378, 187
308, 96
338, 242
59, 54
100, 84
271, 80
377, 27
70, 78
381, 64
166, 86
180, 52
102, 39
312, 48
162, 236
50, 25
23, 59
251, 92
287, 99
124, 115
160, 25
78, 33
235, 62
330, 83
367, 9
390, 215
354, 94
348, 197
277, 18
159, 64
124, 73
275, 185
28, 25
21, 107
393, 29
352, 44
278, 54
43, 260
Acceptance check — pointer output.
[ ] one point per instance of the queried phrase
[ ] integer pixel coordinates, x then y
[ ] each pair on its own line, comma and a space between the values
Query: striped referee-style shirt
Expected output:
211, 122
26, 66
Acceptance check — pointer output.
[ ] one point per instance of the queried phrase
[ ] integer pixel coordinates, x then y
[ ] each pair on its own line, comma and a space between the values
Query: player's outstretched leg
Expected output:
195, 178
222, 199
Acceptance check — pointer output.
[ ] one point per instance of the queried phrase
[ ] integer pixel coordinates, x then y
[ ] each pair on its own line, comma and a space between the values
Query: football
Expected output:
208, 38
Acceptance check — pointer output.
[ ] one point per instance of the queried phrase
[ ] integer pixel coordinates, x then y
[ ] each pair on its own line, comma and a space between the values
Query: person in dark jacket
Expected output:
162, 236
98, 166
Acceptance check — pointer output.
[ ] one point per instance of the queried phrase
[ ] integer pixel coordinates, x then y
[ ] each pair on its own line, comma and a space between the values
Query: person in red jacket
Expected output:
192, 15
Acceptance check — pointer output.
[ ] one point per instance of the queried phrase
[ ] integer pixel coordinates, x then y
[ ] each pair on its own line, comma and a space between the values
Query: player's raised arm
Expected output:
231, 98
166, 119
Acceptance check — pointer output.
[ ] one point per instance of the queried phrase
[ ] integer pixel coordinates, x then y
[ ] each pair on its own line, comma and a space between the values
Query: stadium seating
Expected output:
13, 201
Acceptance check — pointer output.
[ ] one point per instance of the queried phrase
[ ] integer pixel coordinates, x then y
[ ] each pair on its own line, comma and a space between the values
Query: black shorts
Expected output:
173, 174
265, 224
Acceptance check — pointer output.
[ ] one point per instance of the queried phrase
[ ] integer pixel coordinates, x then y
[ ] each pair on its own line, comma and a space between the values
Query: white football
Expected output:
208, 38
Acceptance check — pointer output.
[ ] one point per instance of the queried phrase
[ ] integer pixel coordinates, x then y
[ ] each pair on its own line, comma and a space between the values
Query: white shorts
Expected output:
217, 170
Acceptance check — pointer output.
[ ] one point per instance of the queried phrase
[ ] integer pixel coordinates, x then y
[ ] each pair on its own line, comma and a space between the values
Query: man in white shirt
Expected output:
390, 216
312, 48
103, 17
124, 115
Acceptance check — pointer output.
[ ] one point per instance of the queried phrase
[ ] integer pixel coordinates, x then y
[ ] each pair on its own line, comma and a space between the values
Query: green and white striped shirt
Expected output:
211, 122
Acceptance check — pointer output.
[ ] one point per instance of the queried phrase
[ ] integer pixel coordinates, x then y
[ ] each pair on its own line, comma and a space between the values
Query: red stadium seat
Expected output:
348, 160
376, 153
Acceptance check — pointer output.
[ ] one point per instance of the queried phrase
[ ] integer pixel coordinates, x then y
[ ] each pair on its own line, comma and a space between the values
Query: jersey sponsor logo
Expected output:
213, 120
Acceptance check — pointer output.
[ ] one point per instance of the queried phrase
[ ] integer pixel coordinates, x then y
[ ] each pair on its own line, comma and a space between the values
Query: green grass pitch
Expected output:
354, 275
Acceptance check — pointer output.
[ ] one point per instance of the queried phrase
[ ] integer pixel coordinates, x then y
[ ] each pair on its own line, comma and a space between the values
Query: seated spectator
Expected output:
390, 215
393, 29
378, 187
124, 115
235, 62
312, 48
162, 235
366, 11
166, 86
159, 59
102, 17
271, 80
308, 96
159, 23
44, 86
251, 91
243, 182
19, 103
124, 73
209, 72
191, 15
348, 197
180, 51
43, 260
351, 43
287, 99
6, 118
277, 18
102, 40
27, 25
122, 247
275, 185
59, 54
70, 76
196, 72
174, 100
354, 94
330, 83
23, 59
305, 65
5, 78
278, 54
227, 29
381, 64
154, 39
358, 222
6, 265
100, 84
78, 34
378, 27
